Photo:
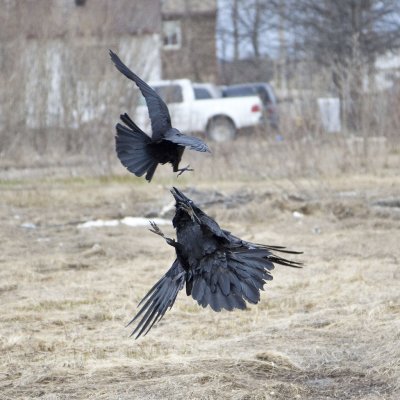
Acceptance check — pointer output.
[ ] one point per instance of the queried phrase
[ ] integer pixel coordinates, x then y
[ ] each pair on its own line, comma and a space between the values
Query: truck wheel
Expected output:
221, 129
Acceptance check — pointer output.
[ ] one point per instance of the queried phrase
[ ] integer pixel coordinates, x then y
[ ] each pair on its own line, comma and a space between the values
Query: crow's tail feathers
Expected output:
126, 119
133, 150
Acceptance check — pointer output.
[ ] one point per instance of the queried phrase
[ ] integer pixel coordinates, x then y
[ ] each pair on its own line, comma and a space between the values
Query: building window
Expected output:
80, 2
172, 35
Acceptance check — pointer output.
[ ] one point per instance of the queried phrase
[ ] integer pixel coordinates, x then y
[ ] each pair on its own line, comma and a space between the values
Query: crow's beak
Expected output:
179, 196
183, 203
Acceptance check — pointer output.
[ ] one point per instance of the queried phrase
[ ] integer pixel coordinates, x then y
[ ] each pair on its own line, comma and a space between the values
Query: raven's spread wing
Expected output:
192, 142
236, 243
160, 297
158, 110
226, 280
207, 223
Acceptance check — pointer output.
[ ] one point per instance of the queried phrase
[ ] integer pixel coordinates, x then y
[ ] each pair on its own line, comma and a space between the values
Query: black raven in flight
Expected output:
219, 269
140, 153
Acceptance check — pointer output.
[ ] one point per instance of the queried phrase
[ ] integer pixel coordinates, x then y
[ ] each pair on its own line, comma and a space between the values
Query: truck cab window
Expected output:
201, 94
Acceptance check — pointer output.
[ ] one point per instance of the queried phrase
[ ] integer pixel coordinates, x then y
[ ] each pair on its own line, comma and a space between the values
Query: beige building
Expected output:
189, 46
55, 73
55, 66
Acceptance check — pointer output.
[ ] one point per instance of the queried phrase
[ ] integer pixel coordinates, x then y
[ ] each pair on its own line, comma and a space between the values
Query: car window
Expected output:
170, 94
239, 91
201, 93
271, 94
264, 95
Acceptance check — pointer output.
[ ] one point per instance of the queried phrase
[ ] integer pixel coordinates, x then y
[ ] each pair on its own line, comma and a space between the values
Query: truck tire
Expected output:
221, 129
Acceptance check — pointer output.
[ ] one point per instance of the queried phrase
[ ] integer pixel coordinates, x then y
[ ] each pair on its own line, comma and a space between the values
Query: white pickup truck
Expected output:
196, 107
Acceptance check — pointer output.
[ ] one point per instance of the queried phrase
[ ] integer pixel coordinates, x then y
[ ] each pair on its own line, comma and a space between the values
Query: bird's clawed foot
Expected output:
182, 170
159, 232
156, 229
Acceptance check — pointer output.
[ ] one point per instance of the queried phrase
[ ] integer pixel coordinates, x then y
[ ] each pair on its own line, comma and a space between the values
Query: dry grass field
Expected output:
328, 331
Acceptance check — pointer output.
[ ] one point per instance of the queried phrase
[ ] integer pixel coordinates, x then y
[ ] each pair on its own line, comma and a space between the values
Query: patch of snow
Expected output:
98, 223
129, 221
140, 221
43, 239
28, 225
298, 215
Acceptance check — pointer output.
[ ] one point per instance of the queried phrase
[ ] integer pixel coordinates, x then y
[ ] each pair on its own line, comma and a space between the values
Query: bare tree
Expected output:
346, 37
244, 27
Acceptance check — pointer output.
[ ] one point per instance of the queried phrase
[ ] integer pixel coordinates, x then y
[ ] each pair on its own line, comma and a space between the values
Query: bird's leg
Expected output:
159, 232
182, 170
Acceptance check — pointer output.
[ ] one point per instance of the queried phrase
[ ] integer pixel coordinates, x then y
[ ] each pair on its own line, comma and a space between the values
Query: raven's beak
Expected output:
178, 195
183, 203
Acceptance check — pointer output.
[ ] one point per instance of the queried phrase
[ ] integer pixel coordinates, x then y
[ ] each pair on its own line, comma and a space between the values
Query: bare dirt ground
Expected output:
328, 331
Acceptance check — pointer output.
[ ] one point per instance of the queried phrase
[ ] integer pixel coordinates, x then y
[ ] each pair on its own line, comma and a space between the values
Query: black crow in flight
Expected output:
219, 269
140, 153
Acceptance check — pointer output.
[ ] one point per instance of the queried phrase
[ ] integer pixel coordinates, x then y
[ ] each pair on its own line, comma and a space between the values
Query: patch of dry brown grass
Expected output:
327, 331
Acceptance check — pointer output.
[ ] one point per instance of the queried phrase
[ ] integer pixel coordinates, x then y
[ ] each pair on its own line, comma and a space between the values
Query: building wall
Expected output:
59, 18
196, 58
180, 6
55, 71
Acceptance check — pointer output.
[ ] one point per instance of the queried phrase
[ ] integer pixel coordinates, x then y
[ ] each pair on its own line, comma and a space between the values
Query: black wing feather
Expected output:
192, 142
226, 279
160, 297
158, 110
207, 223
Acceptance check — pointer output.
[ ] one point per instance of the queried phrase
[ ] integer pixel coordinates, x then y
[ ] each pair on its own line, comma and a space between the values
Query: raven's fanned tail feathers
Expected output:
126, 119
132, 149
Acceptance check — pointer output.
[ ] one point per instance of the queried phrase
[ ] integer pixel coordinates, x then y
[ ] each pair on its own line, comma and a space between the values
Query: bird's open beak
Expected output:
178, 195
183, 203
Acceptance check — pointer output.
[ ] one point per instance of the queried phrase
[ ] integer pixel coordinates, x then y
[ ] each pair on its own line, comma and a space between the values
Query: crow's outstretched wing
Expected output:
238, 244
235, 243
160, 297
158, 110
225, 280
192, 142
207, 223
